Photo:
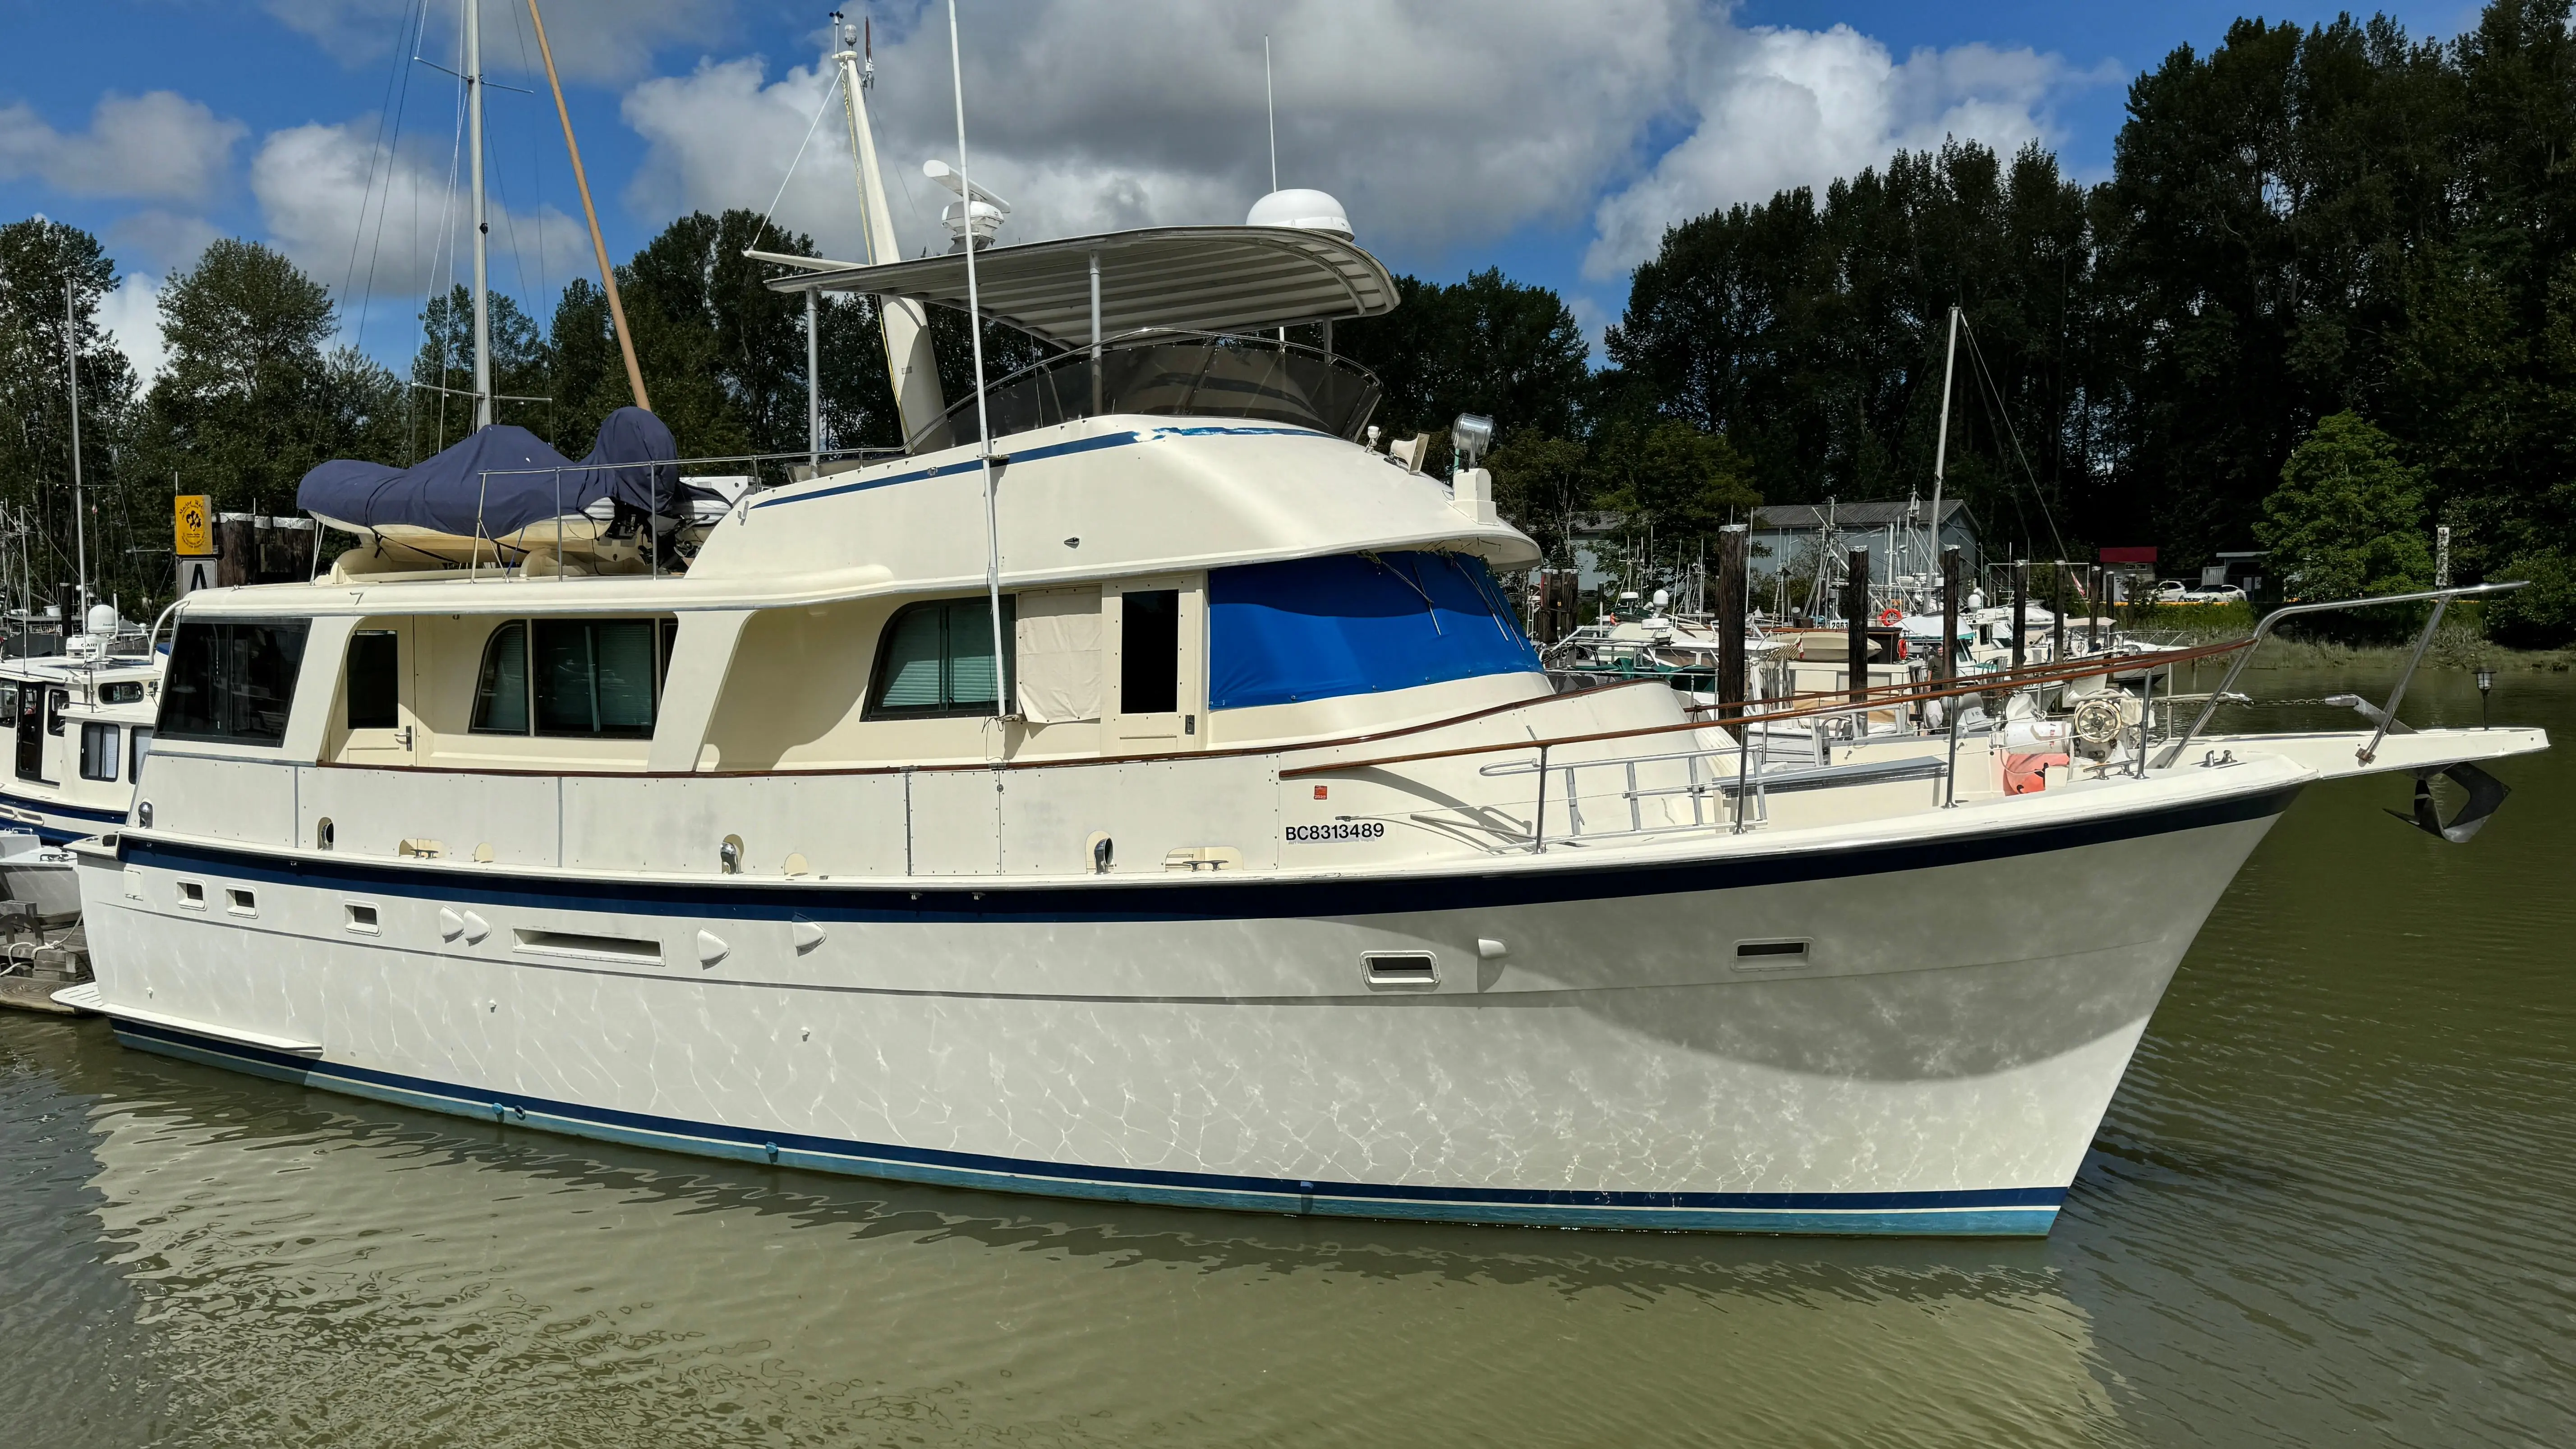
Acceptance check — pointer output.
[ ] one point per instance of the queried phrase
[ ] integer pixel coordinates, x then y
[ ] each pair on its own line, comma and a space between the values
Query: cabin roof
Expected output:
1187, 278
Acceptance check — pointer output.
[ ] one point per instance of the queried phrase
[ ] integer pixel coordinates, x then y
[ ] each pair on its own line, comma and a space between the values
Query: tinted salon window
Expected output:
232, 681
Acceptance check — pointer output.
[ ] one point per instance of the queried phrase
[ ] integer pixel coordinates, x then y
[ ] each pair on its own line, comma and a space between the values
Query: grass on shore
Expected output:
2461, 643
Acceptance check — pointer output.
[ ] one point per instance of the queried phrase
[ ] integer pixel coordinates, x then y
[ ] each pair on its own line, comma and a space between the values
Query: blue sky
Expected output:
1553, 141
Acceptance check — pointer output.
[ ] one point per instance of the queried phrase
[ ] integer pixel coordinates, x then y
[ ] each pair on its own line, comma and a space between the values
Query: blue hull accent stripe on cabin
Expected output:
2019, 1211
1168, 898
1040, 454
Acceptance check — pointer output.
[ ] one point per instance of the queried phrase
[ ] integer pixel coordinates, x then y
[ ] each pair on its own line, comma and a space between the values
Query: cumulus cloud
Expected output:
1776, 108
158, 146
401, 230
1091, 114
132, 315
1434, 129
593, 40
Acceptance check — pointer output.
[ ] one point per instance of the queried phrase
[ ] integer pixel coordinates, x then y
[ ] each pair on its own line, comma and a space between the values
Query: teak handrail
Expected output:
1880, 698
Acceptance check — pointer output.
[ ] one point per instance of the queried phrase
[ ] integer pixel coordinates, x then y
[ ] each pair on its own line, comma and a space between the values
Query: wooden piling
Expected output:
1950, 565
1856, 625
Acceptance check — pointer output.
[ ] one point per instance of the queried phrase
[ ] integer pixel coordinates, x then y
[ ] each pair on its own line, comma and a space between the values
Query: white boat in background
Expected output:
1158, 804
80, 724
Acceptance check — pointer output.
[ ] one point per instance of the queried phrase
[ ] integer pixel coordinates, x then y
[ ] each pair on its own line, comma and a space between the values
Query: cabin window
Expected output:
98, 751
501, 692
375, 680
123, 691
1149, 652
574, 678
9, 701
232, 681
1321, 628
138, 743
935, 660
56, 700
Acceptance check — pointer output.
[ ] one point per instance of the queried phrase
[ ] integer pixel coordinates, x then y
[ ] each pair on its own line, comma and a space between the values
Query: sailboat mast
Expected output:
482, 229
80, 519
1941, 449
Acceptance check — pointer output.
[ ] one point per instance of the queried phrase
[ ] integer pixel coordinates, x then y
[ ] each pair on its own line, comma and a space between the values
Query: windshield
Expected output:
1175, 374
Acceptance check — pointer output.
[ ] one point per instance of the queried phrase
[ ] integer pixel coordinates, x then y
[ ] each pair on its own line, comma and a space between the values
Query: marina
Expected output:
2321, 1205
1882, 799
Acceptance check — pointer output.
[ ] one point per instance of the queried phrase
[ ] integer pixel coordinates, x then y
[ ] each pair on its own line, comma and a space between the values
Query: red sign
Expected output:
2129, 555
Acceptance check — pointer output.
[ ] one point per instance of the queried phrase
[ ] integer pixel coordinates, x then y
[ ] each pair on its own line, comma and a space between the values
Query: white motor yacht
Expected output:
1244, 857
81, 723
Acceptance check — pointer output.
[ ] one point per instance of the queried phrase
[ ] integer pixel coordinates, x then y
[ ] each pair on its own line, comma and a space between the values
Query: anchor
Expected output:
2486, 792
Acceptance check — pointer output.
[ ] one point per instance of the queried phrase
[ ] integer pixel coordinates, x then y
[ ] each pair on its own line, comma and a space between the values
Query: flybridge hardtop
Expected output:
1186, 278
501, 479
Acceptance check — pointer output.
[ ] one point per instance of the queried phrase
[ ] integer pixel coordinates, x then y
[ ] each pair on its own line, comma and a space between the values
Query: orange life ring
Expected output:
1890, 615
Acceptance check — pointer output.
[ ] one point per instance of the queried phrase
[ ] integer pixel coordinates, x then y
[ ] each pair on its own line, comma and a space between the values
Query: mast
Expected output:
71, 373
1002, 701
910, 367
581, 180
482, 228
1941, 450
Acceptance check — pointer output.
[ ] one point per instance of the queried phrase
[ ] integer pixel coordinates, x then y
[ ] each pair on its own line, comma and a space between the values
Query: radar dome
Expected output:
1305, 210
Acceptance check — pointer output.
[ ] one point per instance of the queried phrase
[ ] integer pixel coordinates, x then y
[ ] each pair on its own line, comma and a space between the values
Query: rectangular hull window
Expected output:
375, 686
232, 681
138, 744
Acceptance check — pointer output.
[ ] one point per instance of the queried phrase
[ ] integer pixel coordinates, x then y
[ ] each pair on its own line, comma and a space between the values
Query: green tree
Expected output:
37, 258
2348, 519
1540, 483
1672, 485
252, 395
1488, 345
443, 370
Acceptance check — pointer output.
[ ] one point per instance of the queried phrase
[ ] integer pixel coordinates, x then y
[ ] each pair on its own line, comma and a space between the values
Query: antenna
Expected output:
1270, 102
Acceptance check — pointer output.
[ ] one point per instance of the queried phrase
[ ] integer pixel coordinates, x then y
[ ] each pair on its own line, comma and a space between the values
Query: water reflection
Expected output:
327, 1272
2329, 1203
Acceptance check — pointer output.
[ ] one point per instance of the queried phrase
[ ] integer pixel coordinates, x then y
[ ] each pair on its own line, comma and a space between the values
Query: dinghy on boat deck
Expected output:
502, 494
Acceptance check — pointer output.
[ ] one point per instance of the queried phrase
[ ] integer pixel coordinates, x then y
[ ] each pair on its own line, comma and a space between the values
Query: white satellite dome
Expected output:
1306, 210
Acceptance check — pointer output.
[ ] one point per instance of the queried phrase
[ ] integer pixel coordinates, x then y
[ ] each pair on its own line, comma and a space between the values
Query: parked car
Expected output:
2175, 591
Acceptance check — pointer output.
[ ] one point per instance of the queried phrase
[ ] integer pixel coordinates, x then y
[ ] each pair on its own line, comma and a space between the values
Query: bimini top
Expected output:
1188, 278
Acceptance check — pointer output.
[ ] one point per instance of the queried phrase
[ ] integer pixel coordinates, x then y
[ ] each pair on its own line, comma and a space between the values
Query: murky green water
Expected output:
2333, 1203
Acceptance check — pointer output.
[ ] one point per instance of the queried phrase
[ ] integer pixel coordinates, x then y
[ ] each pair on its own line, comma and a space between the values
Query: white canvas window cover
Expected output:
1057, 654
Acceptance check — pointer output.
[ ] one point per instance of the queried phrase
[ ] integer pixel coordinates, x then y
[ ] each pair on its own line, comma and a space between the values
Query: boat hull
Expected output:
1594, 1051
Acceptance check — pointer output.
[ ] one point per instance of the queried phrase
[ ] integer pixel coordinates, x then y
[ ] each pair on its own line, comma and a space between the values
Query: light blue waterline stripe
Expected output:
1037, 454
2013, 1212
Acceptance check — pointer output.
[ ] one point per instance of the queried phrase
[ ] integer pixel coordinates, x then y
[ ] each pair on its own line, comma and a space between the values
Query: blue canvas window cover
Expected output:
1321, 628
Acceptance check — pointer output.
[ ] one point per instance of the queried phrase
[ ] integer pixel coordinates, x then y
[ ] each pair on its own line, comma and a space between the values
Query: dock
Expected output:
37, 960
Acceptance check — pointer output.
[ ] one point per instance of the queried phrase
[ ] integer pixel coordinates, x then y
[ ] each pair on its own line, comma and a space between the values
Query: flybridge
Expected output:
1080, 290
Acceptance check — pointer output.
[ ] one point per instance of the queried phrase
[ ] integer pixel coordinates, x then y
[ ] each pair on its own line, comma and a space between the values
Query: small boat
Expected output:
37, 879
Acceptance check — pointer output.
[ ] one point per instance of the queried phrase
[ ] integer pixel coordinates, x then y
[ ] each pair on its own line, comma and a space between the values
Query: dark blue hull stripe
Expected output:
1161, 897
60, 824
2026, 1211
